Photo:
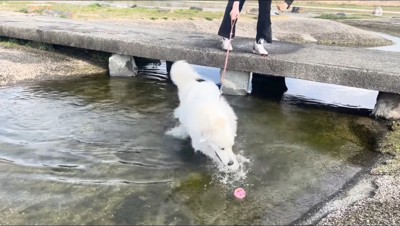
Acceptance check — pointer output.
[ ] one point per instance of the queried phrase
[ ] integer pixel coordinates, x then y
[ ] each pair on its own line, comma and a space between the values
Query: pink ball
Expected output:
239, 193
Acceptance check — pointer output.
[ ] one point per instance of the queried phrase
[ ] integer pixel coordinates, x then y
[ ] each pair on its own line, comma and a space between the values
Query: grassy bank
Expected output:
17, 43
103, 11
366, 5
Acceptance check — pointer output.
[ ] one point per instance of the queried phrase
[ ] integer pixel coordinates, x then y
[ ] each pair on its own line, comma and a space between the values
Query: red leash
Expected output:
227, 53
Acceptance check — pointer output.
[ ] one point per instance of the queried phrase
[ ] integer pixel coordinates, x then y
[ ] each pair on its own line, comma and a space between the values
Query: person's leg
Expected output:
264, 30
226, 24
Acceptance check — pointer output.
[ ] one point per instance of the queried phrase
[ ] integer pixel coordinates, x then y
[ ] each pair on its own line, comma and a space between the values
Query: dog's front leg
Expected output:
178, 132
196, 145
177, 112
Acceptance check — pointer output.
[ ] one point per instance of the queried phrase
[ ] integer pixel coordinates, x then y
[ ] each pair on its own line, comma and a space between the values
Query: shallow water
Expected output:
93, 151
392, 48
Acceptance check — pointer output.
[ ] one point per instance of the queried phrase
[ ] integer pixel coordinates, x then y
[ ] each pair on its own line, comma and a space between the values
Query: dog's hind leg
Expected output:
178, 132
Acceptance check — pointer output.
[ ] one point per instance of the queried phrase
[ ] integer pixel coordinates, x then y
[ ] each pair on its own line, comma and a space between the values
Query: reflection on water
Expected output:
93, 151
299, 91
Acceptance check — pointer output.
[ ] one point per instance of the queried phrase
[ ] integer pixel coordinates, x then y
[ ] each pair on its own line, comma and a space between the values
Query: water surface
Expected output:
93, 151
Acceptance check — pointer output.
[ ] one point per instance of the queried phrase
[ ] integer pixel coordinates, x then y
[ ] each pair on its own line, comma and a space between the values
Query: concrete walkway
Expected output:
362, 68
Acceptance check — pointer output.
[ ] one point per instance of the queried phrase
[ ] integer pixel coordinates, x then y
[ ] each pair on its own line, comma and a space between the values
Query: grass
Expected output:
23, 10
386, 6
339, 17
8, 42
12, 43
103, 11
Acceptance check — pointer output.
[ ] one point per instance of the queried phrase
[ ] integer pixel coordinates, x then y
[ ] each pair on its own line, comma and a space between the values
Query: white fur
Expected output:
204, 115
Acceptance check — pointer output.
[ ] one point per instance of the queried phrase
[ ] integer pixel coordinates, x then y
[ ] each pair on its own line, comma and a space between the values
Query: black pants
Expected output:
264, 30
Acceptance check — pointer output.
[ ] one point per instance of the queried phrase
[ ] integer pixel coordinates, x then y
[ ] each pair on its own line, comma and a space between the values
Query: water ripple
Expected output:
107, 182
110, 132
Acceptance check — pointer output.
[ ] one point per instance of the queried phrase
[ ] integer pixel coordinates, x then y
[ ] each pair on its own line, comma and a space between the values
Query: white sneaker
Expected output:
226, 44
258, 48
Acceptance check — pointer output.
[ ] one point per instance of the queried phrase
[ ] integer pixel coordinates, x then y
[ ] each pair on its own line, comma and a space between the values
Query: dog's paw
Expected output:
177, 112
177, 132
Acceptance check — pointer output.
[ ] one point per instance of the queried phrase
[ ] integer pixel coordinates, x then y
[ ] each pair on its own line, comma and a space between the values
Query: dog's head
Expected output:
183, 74
220, 140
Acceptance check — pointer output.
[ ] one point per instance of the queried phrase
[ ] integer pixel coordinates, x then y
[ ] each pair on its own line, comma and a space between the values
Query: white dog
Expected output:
204, 115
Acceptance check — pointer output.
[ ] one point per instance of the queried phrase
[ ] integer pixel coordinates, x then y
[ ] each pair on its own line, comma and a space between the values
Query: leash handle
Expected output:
233, 22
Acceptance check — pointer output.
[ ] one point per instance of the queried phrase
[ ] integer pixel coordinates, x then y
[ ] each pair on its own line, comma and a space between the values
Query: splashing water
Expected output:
231, 178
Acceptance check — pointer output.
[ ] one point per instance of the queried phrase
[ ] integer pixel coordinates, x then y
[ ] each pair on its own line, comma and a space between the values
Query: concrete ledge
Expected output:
387, 106
236, 82
362, 68
122, 66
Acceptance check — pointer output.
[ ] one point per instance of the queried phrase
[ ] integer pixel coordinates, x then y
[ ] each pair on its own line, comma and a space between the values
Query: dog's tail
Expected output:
182, 73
